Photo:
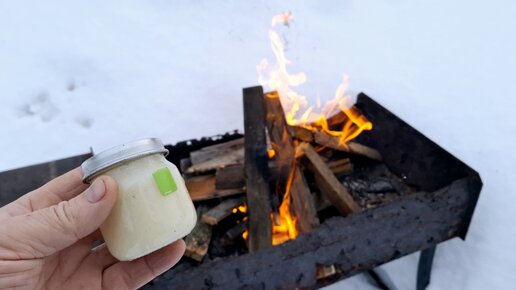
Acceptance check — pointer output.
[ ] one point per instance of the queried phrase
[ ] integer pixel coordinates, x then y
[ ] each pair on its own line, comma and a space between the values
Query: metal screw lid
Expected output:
117, 155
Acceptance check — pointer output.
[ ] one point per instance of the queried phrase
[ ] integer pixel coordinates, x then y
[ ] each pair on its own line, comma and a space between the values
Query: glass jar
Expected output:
153, 208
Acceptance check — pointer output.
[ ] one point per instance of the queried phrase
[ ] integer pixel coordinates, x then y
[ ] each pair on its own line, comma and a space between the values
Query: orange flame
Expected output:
286, 230
298, 112
285, 227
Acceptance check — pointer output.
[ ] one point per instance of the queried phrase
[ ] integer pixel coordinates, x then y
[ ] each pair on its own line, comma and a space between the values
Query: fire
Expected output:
286, 229
298, 111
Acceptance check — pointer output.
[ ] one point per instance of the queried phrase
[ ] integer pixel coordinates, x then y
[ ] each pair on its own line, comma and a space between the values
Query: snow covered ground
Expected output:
99, 73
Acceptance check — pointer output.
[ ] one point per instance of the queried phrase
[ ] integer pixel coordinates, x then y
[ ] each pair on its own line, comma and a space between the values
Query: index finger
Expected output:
61, 188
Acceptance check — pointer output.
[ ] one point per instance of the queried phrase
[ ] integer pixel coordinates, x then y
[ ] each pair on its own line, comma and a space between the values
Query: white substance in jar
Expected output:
153, 208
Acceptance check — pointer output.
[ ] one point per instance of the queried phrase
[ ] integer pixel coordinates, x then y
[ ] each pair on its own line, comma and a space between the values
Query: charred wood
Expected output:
256, 170
224, 209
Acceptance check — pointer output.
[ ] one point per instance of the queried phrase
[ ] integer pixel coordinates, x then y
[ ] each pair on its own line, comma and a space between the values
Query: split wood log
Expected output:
341, 166
303, 202
329, 185
221, 211
230, 177
333, 142
203, 188
256, 170
236, 231
218, 160
301, 133
209, 152
198, 241
282, 143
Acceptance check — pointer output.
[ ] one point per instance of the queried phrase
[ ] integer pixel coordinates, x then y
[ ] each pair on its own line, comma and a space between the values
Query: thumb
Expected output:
46, 231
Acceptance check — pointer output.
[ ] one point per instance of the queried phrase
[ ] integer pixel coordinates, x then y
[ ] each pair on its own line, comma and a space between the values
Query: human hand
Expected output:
46, 239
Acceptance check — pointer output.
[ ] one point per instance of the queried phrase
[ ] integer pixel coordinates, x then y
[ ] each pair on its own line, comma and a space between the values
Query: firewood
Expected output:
337, 119
236, 231
230, 177
282, 143
203, 188
301, 133
341, 166
198, 241
321, 202
324, 271
221, 211
184, 164
333, 142
213, 151
218, 160
233, 175
329, 185
256, 170
303, 201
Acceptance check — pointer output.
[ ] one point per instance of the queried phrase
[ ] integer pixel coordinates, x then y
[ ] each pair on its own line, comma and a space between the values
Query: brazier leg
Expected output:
424, 269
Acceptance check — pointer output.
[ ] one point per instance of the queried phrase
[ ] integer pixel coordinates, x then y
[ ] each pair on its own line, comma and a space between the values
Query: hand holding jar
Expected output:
47, 235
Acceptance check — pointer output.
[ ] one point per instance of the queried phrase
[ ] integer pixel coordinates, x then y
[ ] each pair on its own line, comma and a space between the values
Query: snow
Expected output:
99, 73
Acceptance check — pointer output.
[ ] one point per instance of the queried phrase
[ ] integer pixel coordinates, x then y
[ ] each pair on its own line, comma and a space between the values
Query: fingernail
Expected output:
96, 191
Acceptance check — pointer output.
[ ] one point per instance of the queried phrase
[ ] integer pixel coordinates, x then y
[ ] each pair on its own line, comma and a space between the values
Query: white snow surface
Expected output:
99, 73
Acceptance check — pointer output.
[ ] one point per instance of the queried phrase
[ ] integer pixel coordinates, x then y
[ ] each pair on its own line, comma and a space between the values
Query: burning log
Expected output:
256, 170
217, 156
198, 240
236, 231
302, 201
203, 188
301, 133
224, 209
334, 142
329, 185
230, 177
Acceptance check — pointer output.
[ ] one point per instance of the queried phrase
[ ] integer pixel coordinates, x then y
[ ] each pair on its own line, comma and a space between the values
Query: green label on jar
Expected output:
164, 181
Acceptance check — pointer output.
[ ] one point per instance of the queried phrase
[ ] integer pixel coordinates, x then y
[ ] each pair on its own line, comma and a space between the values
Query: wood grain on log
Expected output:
329, 185
341, 166
230, 177
203, 188
218, 161
256, 170
209, 152
333, 142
